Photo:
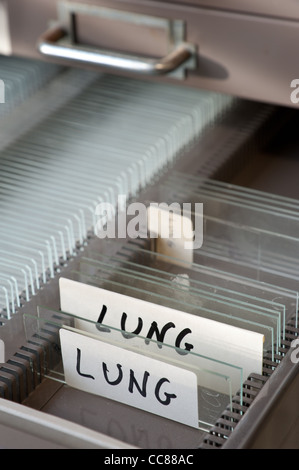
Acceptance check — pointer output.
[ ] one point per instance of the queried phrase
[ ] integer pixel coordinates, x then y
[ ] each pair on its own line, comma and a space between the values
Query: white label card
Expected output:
5, 37
172, 232
109, 371
204, 338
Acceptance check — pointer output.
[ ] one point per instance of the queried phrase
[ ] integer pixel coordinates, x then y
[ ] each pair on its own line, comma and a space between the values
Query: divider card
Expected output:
139, 381
172, 232
194, 338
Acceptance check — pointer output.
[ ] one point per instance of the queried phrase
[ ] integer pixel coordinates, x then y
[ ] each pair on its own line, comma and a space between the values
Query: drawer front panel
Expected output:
272, 8
244, 55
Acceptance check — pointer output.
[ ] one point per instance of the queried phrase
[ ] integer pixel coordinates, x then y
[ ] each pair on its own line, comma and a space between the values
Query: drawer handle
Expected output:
49, 45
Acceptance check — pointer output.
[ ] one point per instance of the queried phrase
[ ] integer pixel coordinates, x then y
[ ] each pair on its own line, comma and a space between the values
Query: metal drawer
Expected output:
272, 8
240, 54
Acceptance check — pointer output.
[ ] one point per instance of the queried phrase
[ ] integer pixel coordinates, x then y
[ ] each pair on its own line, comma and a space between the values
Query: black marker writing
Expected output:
154, 331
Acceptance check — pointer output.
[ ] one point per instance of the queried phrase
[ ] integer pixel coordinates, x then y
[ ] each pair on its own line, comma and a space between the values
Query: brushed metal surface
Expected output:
272, 8
246, 55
